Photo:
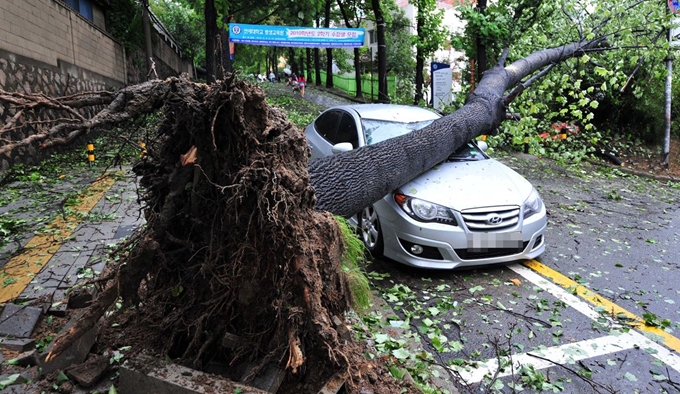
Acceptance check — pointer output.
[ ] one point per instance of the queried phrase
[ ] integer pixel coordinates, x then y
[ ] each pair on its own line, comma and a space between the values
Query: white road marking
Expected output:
564, 354
569, 353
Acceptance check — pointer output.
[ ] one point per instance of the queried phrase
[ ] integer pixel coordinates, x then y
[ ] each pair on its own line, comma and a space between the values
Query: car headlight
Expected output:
533, 204
425, 211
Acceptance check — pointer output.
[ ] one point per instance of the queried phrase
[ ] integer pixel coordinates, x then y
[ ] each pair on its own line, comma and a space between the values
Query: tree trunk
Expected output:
317, 67
383, 96
210, 36
317, 57
329, 51
224, 35
308, 60
357, 59
344, 187
420, 62
481, 47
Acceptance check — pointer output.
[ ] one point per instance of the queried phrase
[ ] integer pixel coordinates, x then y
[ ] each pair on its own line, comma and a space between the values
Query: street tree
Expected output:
430, 36
380, 23
618, 90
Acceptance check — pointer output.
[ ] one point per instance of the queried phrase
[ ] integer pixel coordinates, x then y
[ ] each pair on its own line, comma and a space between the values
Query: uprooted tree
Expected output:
240, 240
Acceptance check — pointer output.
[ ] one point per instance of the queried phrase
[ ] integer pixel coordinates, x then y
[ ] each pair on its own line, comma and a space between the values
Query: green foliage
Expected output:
354, 254
605, 94
124, 22
400, 60
10, 228
186, 25
432, 34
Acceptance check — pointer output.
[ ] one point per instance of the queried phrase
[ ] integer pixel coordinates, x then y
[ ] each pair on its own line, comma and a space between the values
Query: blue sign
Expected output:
291, 36
674, 5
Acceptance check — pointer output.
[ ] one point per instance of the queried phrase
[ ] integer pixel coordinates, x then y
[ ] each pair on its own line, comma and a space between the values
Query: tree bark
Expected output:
481, 47
383, 96
210, 36
329, 51
344, 186
357, 59
420, 62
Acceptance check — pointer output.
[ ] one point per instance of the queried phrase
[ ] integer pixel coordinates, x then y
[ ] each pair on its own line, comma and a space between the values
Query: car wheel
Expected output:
371, 233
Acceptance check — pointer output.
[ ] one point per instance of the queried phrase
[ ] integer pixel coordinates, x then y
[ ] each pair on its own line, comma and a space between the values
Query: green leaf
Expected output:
10, 380
434, 311
401, 353
381, 338
475, 289
630, 377
397, 372
62, 377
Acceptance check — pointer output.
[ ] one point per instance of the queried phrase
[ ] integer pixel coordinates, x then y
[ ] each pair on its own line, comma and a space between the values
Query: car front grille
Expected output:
471, 254
491, 218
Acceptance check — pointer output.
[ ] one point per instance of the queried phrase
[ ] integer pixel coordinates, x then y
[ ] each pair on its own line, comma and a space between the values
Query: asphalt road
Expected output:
595, 313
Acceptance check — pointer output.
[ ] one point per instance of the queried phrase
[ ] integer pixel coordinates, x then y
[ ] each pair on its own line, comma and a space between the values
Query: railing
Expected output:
369, 85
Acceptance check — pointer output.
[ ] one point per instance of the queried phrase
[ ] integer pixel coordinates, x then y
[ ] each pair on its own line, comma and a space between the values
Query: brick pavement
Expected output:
78, 249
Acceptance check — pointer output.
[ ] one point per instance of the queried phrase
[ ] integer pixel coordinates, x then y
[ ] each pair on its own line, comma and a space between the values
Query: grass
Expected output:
354, 255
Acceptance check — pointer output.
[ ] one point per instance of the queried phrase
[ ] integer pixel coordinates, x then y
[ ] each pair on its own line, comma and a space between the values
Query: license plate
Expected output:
484, 241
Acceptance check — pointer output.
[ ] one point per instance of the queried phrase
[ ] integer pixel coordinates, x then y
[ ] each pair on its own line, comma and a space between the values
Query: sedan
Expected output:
469, 210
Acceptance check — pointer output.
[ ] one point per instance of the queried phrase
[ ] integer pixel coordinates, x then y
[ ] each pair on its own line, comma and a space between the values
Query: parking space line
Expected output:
667, 339
22, 268
563, 354
645, 337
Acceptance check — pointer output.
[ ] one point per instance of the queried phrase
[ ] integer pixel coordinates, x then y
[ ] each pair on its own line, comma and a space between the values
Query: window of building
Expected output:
372, 36
83, 7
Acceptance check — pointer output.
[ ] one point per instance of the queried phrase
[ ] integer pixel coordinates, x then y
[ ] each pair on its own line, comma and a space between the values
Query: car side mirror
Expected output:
483, 146
342, 147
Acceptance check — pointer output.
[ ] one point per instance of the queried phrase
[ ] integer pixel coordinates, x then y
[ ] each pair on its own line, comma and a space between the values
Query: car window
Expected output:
347, 131
327, 123
381, 130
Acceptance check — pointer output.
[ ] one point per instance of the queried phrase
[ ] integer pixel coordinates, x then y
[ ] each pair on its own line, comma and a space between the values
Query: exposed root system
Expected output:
235, 266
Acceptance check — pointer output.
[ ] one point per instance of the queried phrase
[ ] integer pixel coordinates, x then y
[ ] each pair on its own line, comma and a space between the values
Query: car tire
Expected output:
370, 231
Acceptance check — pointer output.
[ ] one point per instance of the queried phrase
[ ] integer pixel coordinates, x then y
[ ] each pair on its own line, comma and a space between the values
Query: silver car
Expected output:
468, 210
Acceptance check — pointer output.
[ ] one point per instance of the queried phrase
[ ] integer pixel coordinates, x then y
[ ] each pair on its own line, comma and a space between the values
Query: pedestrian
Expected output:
302, 82
271, 76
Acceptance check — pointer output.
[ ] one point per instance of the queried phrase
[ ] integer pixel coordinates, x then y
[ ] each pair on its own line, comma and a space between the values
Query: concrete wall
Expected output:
49, 32
46, 47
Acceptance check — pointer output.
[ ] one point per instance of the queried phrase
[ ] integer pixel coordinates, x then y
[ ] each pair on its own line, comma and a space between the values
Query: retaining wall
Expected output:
46, 47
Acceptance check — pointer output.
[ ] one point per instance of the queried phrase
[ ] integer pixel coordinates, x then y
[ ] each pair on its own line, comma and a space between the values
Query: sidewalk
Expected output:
69, 224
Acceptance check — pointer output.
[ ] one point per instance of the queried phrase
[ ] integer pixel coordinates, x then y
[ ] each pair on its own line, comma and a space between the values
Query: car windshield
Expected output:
381, 130
467, 152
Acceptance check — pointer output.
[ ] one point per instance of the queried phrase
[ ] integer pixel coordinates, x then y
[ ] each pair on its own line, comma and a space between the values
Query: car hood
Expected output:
470, 184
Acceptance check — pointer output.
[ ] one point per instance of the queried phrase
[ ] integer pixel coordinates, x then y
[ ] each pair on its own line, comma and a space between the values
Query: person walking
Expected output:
272, 76
301, 83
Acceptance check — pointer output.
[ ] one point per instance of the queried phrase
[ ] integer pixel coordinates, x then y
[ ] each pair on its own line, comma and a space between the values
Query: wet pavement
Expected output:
596, 313
559, 323
72, 244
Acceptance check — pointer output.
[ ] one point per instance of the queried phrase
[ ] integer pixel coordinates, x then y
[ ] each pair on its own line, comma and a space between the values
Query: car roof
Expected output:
391, 112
